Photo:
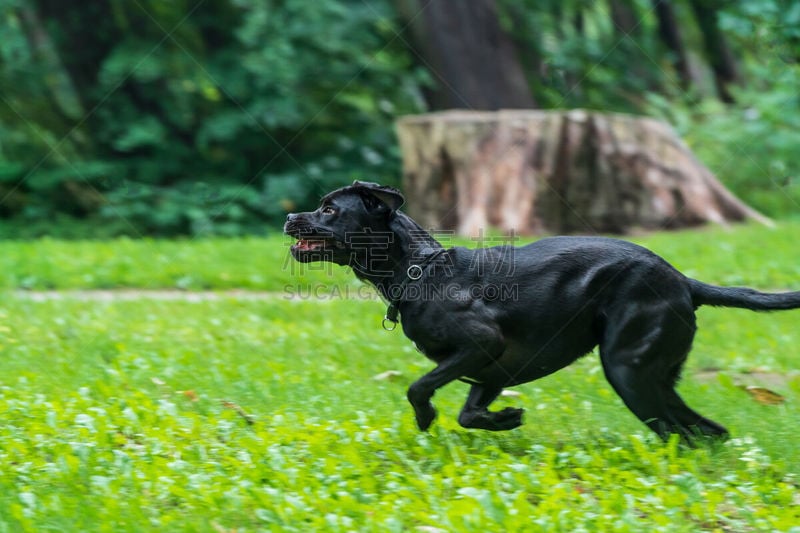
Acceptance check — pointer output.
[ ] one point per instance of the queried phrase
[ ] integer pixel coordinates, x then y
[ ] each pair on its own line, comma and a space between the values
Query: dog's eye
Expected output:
328, 211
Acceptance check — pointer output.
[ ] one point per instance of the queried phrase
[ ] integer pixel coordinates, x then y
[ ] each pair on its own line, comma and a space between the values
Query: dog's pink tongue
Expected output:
305, 244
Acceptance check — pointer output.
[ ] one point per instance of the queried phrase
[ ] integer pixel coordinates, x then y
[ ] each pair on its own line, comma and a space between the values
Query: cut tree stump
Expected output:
556, 172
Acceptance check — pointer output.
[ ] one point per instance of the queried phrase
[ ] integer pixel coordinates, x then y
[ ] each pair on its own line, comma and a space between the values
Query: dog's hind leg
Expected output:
687, 418
658, 405
642, 355
475, 413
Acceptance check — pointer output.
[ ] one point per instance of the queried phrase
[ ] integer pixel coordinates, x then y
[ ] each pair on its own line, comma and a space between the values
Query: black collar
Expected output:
413, 273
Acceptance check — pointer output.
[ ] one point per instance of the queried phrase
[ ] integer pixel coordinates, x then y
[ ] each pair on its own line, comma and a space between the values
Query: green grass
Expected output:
263, 415
743, 254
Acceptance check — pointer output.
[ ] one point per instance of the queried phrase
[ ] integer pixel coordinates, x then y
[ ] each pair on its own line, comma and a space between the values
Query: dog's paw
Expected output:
508, 418
425, 417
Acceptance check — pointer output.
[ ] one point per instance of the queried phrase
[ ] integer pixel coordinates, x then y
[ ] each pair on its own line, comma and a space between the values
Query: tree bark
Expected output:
670, 34
556, 172
623, 17
717, 50
58, 80
472, 60
81, 52
628, 28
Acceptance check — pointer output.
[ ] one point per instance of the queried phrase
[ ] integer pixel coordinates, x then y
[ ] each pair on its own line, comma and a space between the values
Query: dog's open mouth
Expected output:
311, 244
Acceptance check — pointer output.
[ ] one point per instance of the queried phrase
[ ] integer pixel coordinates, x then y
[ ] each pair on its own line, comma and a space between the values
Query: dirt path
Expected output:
110, 295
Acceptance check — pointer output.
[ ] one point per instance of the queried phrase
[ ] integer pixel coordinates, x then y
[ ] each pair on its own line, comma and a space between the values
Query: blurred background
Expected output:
217, 117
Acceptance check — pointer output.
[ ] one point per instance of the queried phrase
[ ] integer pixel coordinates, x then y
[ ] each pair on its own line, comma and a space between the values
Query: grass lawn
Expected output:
768, 258
263, 415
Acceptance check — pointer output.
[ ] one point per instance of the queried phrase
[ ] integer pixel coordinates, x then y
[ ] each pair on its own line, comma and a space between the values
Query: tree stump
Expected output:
556, 172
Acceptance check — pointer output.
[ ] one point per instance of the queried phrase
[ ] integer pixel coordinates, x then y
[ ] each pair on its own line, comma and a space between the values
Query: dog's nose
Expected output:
289, 220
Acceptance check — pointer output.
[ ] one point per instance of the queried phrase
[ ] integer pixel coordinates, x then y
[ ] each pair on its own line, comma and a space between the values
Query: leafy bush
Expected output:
752, 144
174, 118
209, 122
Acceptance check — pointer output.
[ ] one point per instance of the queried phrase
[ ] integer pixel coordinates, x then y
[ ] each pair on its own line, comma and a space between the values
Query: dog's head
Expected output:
348, 222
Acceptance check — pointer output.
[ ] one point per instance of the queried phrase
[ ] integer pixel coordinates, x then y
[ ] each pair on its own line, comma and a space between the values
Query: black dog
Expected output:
501, 316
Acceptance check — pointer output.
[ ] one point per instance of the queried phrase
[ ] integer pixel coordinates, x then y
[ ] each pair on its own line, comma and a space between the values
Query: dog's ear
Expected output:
376, 195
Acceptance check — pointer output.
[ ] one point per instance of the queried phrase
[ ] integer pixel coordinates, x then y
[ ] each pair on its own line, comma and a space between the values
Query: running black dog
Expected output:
501, 316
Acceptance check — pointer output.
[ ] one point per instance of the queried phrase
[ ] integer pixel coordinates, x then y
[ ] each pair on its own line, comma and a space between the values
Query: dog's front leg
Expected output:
421, 391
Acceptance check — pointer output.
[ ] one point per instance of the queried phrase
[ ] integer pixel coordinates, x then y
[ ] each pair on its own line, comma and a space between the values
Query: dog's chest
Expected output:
428, 350
428, 347
426, 339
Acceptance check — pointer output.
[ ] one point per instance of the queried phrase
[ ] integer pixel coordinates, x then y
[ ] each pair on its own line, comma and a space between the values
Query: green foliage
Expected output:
209, 121
751, 145
216, 118
262, 415
584, 61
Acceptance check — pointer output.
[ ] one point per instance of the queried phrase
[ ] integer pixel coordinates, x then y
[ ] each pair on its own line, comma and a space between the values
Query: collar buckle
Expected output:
413, 273
391, 317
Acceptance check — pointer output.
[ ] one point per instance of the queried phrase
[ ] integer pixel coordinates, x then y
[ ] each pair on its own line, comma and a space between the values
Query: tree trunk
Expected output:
628, 29
717, 50
623, 17
81, 52
556, 172
472, 60
670, 34
57, 80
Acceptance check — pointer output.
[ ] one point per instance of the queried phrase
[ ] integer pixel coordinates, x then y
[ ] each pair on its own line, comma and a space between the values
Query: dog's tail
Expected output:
705, 294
